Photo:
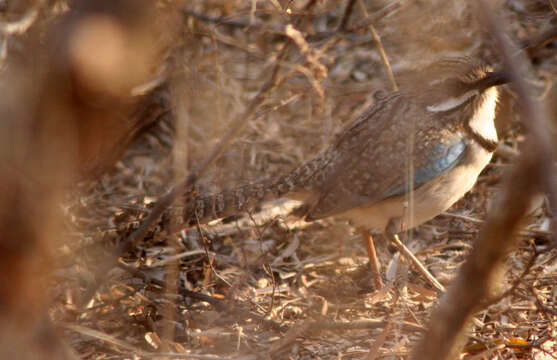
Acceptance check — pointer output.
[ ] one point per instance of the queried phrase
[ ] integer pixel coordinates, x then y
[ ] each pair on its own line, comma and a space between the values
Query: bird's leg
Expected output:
373, 261
391, 234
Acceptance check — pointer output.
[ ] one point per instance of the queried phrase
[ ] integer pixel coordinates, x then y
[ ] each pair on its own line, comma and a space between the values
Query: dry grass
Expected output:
270, 286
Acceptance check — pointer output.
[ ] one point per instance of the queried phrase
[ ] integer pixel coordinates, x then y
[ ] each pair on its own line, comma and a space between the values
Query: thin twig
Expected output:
245, 25
379, 341
380, 47
218, 304
540, 40
417, 263
347, 12
516, 283
552, 6
310, 327
136, 351
210, 259
526, 233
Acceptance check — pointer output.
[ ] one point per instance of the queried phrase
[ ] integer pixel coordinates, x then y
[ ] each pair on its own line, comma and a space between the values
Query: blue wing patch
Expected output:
443, 159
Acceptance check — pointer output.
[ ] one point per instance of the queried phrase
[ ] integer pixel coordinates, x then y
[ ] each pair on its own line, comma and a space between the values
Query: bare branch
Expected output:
476, 280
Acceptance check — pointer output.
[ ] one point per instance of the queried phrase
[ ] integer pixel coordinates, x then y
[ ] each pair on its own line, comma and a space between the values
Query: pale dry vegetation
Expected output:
265, 285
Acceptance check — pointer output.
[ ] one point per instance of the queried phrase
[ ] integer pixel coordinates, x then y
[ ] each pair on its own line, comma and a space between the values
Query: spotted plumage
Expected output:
434, 137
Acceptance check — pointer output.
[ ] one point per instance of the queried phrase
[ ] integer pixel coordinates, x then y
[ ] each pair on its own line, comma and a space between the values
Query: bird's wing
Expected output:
373, 157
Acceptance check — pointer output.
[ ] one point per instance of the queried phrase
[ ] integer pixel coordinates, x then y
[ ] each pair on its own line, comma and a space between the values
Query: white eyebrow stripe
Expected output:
452, 103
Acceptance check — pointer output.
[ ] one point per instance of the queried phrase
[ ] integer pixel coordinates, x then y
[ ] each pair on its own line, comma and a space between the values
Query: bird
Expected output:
406, 159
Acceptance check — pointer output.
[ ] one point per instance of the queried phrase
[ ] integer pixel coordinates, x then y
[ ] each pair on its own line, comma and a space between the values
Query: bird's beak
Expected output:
493, 78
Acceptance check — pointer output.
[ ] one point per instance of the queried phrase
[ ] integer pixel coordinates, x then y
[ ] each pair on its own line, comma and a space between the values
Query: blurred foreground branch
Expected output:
477, 278
60, 116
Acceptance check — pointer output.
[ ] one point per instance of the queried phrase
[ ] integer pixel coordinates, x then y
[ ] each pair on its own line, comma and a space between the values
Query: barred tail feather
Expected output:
207, 207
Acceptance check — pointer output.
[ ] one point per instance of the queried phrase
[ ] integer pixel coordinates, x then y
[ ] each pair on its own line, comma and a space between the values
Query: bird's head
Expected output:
462, 90
452, 84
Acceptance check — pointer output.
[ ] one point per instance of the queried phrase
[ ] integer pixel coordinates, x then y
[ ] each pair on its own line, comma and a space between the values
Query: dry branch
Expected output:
477, 277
